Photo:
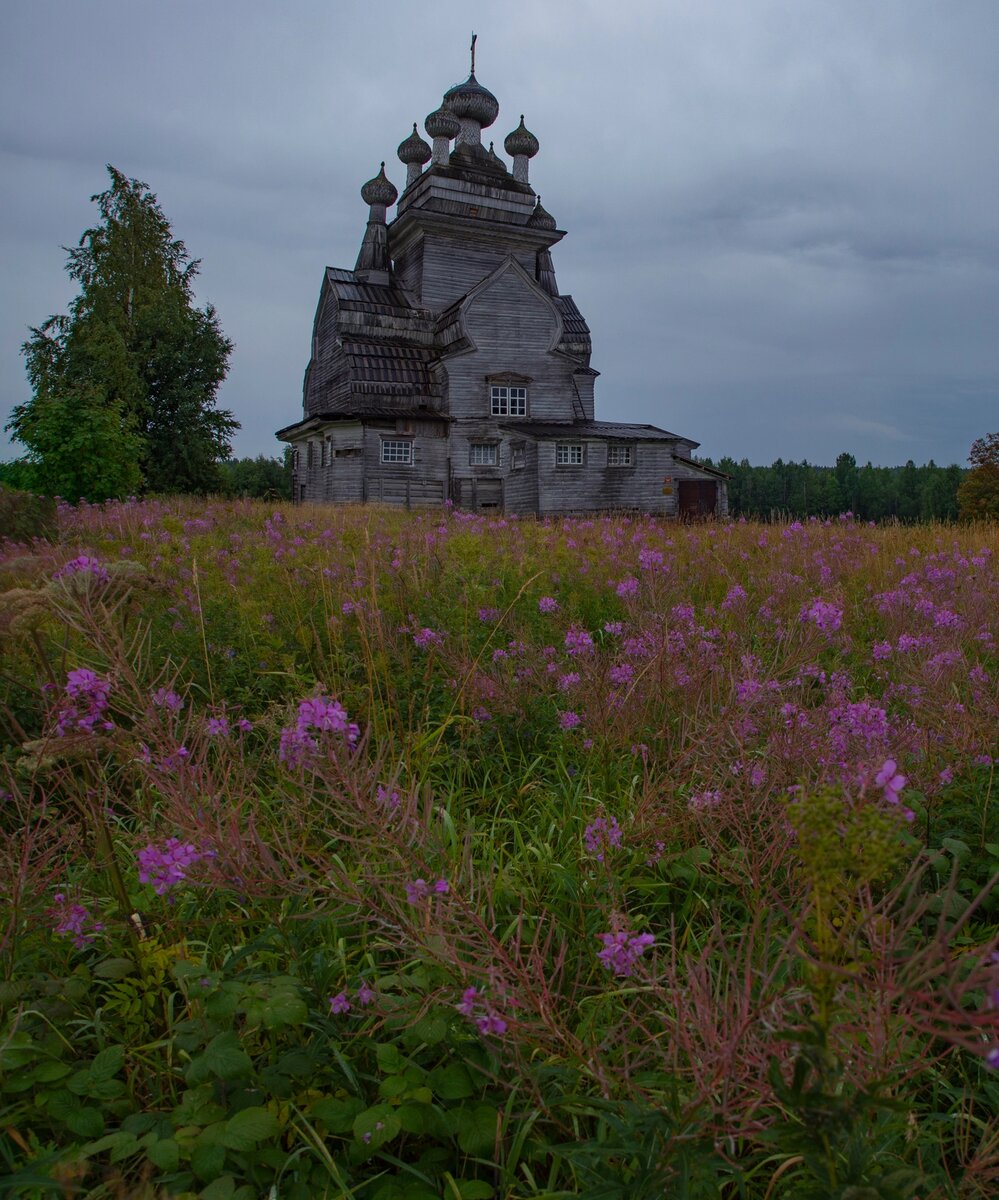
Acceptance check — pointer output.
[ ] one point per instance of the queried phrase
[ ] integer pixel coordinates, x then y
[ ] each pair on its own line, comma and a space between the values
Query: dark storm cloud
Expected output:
781, 216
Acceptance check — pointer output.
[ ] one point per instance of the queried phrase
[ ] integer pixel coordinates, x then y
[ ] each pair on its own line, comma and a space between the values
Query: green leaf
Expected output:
285, 1010
377, 1126
208, 1159
250, 1127
473, 1189
337, 1115
959, 849
452, 1082
115, 968
87, 1121
108, 1063
223, 1057
121, 1143
390, 1061
164, 1154
219, 1189
477, 1129
430, 1029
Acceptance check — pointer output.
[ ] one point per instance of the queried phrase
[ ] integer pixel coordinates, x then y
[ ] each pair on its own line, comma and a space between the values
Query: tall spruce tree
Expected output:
124, 386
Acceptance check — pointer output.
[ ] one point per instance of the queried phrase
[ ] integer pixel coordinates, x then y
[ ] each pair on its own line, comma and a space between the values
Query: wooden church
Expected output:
447, 366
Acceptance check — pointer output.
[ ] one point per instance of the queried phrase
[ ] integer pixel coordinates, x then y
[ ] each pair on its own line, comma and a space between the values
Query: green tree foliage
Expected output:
259, 478
908, 493
978, 495
124, 386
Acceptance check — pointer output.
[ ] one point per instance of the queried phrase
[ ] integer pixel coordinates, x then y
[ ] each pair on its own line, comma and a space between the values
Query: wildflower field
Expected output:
358, 853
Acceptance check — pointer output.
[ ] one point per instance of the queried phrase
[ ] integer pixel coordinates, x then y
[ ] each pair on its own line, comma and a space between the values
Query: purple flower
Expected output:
569, 720
74, 921
217, 727
88, 701
602, 835
426, 638
701, 801
621, 674
339, 1003
890, 781
365, 995
491, 1023
419, 890
828, 617
627, 586
547, 604
623, 950
469, 998
84, 565
167, 865
164, 698
992, 1058
578, 641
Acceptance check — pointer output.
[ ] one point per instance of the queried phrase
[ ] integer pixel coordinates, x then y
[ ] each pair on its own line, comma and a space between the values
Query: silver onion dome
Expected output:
379, 190
442, 123
470, 99
414, 149
521, 141
540, 218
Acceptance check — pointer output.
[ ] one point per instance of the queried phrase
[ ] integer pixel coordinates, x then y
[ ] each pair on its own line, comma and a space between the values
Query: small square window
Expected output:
484, 454
508, 401
568, 454
619, 456
517, 458
398, 452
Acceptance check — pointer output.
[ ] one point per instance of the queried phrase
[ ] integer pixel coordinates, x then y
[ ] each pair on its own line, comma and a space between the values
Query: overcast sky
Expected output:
782, 215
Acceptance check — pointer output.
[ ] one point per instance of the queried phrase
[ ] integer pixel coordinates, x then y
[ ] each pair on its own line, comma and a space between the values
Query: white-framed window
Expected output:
484, 454
568, 454
517, 457
619, 456
397, 451
508, 401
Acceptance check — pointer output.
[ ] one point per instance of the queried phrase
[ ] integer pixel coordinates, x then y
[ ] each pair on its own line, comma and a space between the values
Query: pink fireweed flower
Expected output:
890, 781
621, 674
623, 950
491, 1023
828, 617
601, 835
426, 638
479, 1009
74, 921
87, 694
547, 604
578, 641
217, 727
469, 998
167, 865
702, 801
366, 995
568, 680
627, 586
569, 720
84, 565
164, 698
419, 890
339, 1003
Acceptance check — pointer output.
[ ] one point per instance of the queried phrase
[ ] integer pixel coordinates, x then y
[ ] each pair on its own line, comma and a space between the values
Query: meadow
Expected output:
357, 853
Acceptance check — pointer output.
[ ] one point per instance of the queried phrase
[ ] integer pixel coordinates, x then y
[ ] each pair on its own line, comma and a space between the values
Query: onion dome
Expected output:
540, 218
470, 99
379, 190
521, 141
442, 123
414, 149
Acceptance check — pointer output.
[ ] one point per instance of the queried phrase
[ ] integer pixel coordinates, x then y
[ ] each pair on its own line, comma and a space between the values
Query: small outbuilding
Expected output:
448, 366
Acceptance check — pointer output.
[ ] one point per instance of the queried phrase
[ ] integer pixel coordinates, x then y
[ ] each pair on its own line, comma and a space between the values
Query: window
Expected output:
517, 456
484, 454
328, 452
568, 454
508, 401
310, 455
397, 452
619, 456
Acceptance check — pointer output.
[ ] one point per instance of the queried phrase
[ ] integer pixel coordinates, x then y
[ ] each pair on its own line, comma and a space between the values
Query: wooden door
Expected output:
697, 497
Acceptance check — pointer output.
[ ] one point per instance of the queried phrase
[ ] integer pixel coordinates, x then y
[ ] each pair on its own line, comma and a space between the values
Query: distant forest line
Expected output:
907, 493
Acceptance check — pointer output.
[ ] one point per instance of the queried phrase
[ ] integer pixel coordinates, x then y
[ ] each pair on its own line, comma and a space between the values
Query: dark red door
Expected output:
697, 497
